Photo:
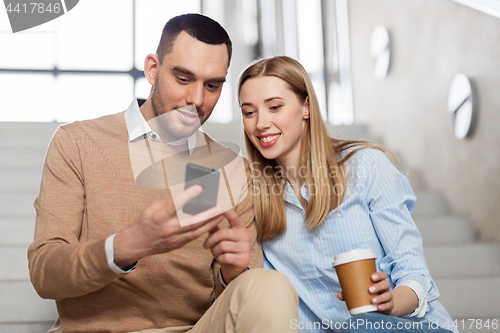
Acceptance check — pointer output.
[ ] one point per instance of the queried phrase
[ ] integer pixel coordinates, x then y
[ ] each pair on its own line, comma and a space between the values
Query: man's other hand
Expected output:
230, 246
157, 230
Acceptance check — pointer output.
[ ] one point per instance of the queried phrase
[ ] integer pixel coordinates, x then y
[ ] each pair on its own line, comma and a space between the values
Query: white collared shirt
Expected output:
138, 127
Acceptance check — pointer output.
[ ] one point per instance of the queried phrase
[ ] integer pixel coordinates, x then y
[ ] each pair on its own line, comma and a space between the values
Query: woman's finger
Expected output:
378, 276
385, 307
379, 287
382, 298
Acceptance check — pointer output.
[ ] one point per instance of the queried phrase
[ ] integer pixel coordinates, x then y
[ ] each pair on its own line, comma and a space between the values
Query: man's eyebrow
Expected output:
184, 71
221, 79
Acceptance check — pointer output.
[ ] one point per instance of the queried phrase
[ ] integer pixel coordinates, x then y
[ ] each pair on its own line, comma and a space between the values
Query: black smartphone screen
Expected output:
209, 181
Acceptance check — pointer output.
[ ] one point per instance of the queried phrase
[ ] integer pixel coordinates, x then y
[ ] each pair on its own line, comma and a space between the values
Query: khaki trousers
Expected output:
258, 300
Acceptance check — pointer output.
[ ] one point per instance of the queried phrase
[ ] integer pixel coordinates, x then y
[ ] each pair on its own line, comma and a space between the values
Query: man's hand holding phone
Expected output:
157, 230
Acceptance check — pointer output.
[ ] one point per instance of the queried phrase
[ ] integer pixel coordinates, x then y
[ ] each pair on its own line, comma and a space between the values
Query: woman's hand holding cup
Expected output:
382, 290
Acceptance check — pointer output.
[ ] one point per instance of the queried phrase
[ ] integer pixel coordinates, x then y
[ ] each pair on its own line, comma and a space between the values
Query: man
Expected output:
112, 253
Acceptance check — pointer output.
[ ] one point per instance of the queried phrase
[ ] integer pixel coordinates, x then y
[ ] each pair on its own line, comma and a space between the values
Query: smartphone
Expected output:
209, 181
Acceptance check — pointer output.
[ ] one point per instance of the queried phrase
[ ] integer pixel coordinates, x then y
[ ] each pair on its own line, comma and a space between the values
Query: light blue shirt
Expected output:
375, 214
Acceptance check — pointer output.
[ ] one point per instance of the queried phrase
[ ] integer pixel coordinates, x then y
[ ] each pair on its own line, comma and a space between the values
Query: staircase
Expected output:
466, 272
22, 152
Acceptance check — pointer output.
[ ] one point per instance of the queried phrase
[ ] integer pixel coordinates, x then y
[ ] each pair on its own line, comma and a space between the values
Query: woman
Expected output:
316, 197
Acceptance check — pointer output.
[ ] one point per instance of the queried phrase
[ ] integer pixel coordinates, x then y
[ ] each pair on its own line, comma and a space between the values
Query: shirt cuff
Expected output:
221, 278
422, 298
110, 254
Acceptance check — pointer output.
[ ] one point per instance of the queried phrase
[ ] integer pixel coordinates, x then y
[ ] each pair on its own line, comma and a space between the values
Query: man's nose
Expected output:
196, 94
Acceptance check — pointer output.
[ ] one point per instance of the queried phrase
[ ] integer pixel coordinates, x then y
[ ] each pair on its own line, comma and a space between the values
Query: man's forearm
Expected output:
127, 249
61, 270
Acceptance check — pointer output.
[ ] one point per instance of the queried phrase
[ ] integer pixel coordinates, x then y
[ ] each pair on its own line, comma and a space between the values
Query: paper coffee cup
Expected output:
354, 269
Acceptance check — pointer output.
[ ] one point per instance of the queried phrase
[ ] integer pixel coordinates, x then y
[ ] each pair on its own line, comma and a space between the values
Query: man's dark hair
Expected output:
197, 26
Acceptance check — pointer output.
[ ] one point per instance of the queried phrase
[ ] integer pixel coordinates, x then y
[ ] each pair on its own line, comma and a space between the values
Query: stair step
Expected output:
445, 230
14, 159
35, 129
26, 136
15, 258
416, 180
349, 132
20, 303
16, 231
470, 297
464, 261
430, 204
36, 327
18, 204
24, 141
20, 179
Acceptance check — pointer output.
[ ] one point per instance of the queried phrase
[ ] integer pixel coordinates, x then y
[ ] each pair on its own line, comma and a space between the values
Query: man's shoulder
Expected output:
113, 124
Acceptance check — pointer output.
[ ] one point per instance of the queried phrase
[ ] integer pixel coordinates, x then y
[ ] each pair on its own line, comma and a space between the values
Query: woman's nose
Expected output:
263, 122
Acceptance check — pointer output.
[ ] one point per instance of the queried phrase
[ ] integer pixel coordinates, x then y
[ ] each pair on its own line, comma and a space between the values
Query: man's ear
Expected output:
151, 66
306, 114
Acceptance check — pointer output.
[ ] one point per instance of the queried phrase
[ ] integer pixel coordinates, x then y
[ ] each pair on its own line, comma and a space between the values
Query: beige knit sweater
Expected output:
88, 192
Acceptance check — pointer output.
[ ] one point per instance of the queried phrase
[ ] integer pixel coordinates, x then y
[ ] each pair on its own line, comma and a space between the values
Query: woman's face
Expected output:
273, 117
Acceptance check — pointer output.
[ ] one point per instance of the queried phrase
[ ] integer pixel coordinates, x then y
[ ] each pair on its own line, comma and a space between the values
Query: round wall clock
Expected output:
461, 110
380, 52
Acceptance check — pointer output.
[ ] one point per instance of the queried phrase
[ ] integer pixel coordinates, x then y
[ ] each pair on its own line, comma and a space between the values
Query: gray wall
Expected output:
432, 41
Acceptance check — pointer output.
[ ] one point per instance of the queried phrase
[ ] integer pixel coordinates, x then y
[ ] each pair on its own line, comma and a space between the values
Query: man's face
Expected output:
187, 86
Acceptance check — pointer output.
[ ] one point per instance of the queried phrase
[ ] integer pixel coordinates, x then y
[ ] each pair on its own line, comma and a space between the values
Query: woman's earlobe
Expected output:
306, 109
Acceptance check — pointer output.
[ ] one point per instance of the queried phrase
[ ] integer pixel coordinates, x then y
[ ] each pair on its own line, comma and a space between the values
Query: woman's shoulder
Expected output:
362, 154
364, 161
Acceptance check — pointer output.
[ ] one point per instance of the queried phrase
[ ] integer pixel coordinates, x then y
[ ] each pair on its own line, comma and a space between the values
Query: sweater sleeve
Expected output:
60, 265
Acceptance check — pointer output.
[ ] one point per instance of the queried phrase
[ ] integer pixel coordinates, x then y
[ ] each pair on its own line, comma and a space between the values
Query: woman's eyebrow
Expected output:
265, 101
271, 98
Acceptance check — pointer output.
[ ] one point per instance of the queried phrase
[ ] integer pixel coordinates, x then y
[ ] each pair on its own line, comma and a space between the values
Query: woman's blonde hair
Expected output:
322, 157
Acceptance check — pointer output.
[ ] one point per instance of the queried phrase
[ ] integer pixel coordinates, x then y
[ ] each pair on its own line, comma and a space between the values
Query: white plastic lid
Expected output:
354, 255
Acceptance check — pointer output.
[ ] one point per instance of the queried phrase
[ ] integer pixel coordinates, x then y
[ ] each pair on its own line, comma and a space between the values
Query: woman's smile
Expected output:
268, 140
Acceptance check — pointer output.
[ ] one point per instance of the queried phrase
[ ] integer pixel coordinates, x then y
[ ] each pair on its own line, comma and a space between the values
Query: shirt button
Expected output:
154, 136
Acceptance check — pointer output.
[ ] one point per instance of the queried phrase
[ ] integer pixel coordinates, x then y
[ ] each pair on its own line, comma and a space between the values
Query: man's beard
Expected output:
164, 122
